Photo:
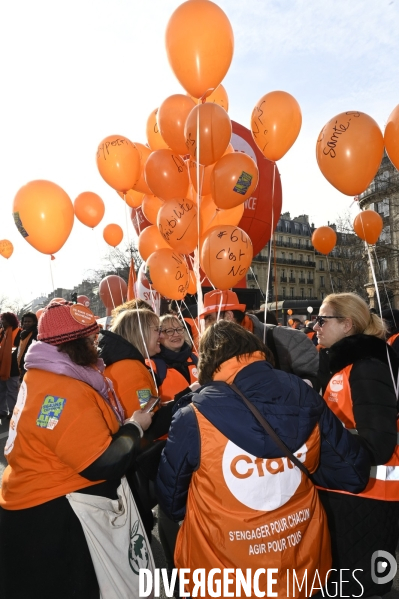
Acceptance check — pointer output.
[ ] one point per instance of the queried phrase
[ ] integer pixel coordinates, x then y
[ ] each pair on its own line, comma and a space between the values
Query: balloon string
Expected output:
186, 327
270, 254
197, 250
395, 384
110, 292
382, 280
275, 272
329, 272
256, 281
194, 319
127, 229
149, 361
51, 275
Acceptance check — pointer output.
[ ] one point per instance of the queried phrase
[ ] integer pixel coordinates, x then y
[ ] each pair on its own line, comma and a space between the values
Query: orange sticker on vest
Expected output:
82, 315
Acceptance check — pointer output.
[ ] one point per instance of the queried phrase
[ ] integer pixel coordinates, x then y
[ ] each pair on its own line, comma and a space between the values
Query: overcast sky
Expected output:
73, 73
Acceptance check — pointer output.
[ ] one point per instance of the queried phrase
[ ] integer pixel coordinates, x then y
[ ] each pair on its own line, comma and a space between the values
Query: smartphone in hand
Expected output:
151, 404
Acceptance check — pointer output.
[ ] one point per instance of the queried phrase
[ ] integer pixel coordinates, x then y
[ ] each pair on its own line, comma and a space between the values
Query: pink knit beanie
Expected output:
62, 322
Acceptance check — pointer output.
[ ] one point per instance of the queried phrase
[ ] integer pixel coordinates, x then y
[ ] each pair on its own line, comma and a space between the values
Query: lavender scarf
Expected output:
47, 357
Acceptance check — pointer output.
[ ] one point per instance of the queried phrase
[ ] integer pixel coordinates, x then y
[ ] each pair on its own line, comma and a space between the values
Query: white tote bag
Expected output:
117, 541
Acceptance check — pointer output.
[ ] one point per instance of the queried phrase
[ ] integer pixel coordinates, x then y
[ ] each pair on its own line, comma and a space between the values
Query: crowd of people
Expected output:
265, 447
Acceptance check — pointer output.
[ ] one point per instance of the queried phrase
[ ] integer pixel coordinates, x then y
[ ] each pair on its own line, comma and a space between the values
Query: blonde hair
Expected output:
172, 319
351, 305
133, 304
134, 326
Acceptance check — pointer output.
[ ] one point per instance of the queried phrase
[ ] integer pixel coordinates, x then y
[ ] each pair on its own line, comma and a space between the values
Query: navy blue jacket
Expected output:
290, 406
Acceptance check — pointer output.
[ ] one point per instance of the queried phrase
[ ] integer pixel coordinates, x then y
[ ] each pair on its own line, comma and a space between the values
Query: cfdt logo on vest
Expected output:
260, 484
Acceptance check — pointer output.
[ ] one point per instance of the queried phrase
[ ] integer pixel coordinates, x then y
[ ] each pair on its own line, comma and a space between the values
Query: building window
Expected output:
383, 207
309, 292
321, 264
331, 266
385, 236
291, 256
301, 257
308, 258
302, 293
287, 226
283, 255
297, 228
280, 239
291, 292
283, 272
283, 291
322, 295
321, 281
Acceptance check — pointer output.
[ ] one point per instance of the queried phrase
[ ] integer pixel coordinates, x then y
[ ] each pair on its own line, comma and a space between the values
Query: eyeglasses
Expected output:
171, 332
320, 320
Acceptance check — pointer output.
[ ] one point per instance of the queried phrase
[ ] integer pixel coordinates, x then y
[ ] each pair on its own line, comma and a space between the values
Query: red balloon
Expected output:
84, 300
139, 221
368, 226
112, 291
258, 214
324, 239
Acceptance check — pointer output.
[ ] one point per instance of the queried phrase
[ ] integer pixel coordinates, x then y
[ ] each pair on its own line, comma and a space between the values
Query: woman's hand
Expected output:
142, 418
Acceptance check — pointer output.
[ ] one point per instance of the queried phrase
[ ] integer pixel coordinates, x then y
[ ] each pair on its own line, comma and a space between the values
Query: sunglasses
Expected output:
320, 320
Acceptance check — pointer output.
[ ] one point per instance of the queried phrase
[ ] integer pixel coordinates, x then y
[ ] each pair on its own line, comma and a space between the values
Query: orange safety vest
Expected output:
174, 381
392, 339
248, 512
384, 480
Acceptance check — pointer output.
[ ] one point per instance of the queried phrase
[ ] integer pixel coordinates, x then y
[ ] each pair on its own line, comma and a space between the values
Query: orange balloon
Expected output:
368, 226
324, 239
154, 137
150, 240
118, 162
289, 311
168, 273
199, 44
205, 173
229, 150
166, 175
226, 255
214, 132
231, 216
349, 151
275, 124
171, 118
391, 137
218, 96
192, 283
6, 248
113, 234
151, 206
89, 208
141, 184
234, 177
208, 210
43, 214
132, 197
177, 223
112, 291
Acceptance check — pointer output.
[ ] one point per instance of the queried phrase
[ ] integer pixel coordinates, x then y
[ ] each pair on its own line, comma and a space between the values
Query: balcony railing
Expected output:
283, 279
301, 281
291, 280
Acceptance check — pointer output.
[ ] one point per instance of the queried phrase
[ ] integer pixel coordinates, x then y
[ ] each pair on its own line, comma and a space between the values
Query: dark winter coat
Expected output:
359, 525
291, 407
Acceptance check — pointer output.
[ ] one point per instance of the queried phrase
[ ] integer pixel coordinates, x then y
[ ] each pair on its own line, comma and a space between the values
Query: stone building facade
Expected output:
297, 270
383, 197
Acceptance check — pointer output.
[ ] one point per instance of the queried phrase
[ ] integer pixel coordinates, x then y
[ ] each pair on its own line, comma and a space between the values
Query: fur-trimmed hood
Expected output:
360, 347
